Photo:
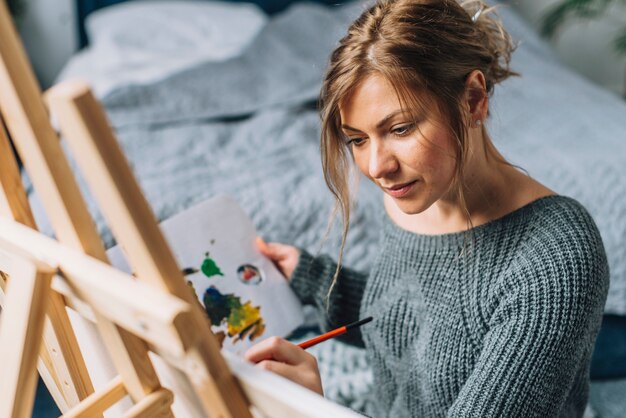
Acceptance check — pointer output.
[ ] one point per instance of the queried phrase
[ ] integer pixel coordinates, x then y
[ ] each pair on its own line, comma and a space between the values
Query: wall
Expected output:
49, 35
586, 45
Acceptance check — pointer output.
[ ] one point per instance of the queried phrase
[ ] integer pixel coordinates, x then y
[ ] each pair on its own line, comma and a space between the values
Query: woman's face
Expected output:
413, 161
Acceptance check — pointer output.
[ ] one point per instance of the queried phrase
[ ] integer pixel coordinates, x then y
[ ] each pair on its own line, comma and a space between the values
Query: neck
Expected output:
485, 196
487, 187
491, 189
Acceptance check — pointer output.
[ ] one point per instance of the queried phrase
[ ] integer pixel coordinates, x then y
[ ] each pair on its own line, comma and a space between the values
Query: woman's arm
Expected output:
535, 357
311, 278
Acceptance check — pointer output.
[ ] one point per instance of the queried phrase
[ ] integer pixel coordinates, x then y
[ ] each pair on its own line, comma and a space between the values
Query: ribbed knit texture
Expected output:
496, 322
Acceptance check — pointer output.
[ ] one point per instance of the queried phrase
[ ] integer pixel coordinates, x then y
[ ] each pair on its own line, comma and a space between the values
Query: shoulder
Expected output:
560, 227
552, 229
559, 253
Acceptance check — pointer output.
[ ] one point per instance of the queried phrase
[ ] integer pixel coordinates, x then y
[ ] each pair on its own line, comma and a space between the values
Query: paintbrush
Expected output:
334, 333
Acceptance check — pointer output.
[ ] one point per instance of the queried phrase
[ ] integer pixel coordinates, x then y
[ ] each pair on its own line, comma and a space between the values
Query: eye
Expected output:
355, 141
403, 130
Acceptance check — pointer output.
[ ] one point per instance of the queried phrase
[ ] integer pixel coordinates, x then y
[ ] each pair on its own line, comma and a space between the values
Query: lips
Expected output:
400, 190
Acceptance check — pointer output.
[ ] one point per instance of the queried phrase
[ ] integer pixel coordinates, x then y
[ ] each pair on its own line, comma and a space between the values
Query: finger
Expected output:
285, 370
277, 349
262, 246
278, 251
273, 250
273, 348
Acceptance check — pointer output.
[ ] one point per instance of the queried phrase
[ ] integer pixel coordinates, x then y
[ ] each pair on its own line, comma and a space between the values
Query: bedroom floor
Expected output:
607, 399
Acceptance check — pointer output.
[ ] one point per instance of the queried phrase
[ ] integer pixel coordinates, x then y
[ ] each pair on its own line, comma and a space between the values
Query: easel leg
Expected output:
21, 329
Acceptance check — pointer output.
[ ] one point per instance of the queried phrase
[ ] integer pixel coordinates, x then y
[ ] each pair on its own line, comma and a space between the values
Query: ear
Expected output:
476, 99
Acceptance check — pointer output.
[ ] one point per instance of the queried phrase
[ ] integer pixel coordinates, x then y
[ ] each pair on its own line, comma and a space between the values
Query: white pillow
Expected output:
144, 41
213, 29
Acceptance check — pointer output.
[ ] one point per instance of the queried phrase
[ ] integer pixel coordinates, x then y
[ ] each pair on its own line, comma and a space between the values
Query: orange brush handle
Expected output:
323, 337
333, 333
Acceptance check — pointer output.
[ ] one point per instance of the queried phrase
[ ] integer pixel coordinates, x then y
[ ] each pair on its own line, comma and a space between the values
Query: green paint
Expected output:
210, 268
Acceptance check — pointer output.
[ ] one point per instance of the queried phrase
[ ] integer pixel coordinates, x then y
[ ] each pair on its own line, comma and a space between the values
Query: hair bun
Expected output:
495, 37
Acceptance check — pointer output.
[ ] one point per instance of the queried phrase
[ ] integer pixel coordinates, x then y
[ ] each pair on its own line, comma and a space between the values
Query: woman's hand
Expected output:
288, 360
285, 257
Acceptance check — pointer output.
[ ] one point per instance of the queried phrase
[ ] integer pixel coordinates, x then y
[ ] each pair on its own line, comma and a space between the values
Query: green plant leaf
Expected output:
585, 9
620, 42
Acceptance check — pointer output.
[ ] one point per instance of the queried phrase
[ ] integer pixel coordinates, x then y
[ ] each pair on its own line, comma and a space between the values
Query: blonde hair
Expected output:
420, 46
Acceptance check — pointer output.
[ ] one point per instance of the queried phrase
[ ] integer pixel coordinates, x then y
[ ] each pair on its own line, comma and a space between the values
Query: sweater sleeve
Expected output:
535, 356
311, 281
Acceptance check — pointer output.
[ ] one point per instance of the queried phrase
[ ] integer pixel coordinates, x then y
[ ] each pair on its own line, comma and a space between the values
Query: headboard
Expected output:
85, 7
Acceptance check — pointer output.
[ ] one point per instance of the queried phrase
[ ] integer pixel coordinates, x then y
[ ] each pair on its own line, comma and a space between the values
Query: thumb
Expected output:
272, 250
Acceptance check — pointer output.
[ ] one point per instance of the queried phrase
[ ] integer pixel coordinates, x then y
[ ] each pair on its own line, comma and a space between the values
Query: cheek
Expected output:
443, 166
434, 160
445, 171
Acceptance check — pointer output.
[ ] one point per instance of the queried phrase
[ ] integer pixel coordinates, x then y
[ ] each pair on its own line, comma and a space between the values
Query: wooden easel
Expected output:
130, 218
62, 300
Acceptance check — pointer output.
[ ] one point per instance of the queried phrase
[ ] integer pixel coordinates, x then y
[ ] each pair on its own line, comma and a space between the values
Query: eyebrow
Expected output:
379, 125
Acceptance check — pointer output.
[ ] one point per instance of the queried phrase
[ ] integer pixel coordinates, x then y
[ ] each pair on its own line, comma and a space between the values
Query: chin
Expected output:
411, 206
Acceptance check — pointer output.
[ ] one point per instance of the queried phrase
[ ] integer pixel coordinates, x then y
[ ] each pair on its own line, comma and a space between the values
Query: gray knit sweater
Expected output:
497, 322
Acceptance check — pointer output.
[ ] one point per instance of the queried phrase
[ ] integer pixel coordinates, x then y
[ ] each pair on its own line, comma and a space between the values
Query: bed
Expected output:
215, 98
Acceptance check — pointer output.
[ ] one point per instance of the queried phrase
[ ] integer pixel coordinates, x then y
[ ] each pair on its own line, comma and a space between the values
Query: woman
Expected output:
488, 289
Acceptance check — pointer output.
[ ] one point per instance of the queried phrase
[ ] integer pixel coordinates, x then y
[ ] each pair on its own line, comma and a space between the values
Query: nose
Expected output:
382, 161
